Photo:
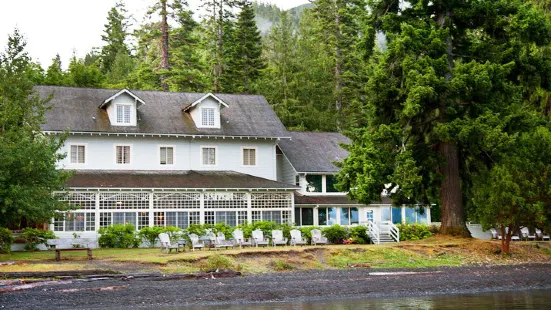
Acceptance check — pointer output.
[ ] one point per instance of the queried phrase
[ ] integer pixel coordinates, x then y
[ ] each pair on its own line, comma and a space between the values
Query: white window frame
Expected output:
129, 156
173, 154
85, 145
123, 105
207, 125
255, 155
203, 147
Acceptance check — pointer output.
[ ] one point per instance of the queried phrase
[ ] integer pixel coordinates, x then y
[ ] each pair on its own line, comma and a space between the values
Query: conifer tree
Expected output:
245, 62
115, 33
444, 98
55, 75
28, 173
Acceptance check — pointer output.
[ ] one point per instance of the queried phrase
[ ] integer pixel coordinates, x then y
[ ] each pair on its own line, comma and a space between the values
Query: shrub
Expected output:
336, 233
118, 236
223, 228
217, 261
150, 234
6, 240
174, 233
34, 237
197, 229
281, 265
358, 235
414, 231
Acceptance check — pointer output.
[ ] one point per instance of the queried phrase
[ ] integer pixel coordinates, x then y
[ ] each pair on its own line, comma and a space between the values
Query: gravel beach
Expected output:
284, 286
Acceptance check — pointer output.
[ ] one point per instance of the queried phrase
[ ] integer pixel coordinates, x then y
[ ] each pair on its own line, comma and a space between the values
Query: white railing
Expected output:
394, 232
373, 232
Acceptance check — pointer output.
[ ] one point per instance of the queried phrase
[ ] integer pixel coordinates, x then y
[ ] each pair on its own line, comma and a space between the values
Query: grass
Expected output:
431, 252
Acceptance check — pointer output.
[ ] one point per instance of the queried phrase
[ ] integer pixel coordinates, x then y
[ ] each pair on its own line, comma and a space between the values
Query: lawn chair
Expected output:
317, 237
221, 241
258, 238
165, 243
278, 239
525, 234
542, 235
493, 231
195, 243
296, 238
239, 239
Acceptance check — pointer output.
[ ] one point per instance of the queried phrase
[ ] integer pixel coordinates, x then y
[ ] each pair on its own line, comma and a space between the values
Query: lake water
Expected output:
534, 299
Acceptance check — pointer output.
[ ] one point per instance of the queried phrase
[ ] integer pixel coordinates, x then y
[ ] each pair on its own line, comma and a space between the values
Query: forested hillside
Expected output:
268, 14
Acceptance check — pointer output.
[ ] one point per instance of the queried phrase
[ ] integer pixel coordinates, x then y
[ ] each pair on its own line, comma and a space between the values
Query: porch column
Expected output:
202, 208
97, 211
151, 219
403, 214
249, 208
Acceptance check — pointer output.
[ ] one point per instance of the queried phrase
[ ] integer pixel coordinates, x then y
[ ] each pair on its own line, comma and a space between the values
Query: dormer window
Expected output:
123, 113
207, 117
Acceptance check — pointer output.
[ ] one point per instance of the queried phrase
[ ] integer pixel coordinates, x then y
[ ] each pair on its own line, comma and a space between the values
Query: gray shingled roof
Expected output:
314, 151
189, 179
77, 109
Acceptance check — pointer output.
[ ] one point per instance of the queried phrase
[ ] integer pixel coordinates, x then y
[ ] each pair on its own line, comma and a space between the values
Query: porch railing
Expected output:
373, 232
394, 232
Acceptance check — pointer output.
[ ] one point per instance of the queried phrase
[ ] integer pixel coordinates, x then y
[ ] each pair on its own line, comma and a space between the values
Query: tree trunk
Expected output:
506, 240
338, 70
219, 46
453, 219
164, 45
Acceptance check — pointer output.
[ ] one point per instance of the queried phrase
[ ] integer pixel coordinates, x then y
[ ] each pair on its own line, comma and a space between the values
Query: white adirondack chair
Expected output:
221, 242
296, 238
541, 235
165, 243
493, 231
258, 238
195, 243
525, 234
239, 239
317, 237
278, 239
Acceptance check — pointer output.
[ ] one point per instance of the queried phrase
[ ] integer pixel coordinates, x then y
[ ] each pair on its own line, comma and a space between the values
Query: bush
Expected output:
414, 231
6, 240
336, 233
358, 235
217, 261
35, 237
150, 235
223, 228
197, 229
118, 236
281, 265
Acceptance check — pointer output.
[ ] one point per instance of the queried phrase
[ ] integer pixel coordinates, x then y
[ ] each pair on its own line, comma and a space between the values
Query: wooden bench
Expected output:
58, 252
76, 243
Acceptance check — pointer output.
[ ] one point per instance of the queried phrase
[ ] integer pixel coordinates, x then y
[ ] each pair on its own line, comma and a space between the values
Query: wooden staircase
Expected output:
385, 232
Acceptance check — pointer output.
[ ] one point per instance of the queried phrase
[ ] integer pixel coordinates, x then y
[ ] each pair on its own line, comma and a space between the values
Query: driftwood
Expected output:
56, 274
13, 288
202, 275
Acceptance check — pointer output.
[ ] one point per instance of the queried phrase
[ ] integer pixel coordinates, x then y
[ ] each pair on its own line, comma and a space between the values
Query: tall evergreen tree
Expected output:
81, 75
443, 98
55, 75
28, 173
115, 34
245, 62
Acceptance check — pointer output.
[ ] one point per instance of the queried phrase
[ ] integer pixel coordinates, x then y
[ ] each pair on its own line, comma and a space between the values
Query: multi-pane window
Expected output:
330, 182
304, 216
75, 221
349, 216
327, 216
249, 157
314, 183
167, 155
209, 156
78, 154
123, 154
207, 117
123, 114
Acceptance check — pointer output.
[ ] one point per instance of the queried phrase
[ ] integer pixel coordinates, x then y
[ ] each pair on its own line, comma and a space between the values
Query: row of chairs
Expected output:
525, 234
210, 240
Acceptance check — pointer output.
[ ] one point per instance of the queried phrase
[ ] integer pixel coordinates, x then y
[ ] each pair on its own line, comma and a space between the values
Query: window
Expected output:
349, 216
327, 216
123, 114
78, 154
167, 155
123, 154
330, 182
314, 183
249, 157
209, 156
304, 216
207, 117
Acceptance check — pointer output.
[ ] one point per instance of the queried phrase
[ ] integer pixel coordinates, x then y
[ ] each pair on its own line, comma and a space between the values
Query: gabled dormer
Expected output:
122, 108
205, 112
